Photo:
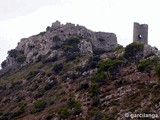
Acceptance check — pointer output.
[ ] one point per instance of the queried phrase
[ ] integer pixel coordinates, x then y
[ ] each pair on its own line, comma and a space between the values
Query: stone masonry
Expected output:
140, 33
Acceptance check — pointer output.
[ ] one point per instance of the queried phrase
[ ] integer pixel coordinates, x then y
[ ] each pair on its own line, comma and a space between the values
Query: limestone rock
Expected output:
150, 51
106, 41
85, 47
48, 42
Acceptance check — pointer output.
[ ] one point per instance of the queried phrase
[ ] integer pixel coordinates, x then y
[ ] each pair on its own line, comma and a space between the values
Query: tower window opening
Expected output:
140, 36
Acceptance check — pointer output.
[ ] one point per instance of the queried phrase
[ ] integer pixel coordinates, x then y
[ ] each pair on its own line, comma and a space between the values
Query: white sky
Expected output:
23, 18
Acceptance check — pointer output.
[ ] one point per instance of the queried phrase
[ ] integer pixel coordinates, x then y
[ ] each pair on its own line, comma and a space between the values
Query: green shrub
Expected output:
77, 110
112, 114
76, 104
110, 65
93, 61
49, 86
70, 56
63, 112
120, 83
57, 68
56, 38
83, 86
32, 74
71, 50
21, 108
12, 53
94, 88
21, 58
134, 51
73, 76
98, 51
145, 65
99, 77
73, 41
49, 60
39, 105
73, 103
3, 64
95, 101
33, 87
158, 69
119, 47
39, 93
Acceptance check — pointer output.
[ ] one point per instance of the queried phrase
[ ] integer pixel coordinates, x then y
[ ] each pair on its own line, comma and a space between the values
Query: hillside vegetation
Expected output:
103, 85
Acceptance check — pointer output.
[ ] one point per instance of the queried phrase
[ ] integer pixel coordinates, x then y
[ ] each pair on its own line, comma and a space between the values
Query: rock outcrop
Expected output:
46, 43
150, 51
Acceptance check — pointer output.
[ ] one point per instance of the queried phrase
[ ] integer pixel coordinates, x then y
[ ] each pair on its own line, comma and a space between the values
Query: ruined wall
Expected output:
140, 33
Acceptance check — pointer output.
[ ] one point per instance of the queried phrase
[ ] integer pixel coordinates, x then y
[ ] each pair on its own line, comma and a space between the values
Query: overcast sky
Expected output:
23, 18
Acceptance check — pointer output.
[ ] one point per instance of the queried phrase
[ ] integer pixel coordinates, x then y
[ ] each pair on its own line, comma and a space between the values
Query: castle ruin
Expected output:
140, 33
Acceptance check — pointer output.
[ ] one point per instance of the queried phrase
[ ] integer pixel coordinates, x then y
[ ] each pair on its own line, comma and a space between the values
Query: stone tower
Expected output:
140, 33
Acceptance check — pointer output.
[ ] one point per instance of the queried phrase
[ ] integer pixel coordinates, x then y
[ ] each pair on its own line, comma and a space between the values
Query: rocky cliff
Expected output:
30, 49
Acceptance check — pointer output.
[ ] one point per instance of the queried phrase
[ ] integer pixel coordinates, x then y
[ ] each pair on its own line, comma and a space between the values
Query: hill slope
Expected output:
79, 77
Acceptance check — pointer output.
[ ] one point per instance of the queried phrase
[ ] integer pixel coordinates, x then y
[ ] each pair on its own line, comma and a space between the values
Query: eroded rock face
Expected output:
105, 41
150, 51
45, 43
85, 47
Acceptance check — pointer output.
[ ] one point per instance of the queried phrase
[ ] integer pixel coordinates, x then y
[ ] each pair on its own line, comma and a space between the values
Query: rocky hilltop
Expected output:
72, 73
46, 43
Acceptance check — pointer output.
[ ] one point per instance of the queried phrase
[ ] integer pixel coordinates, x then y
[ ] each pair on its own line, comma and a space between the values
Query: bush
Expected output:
39, 93
19, 55
50, 85
33, 87
95, 101
71, 56
98, 51
21, 58
74, 41
39, 105
93, 61
144, 65
57, 68
21, 108
73, 76
71, 50
81, 69
76, 105
56, 38
99, 77
12, 53
158, 70
83, 86
110, 65
49, 60
63, 113
120, 83
94, 89
119, 47
134, 51
77, 110
4, 64
32, 74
